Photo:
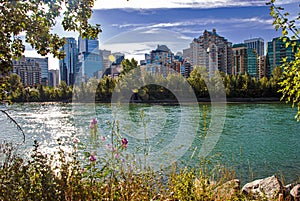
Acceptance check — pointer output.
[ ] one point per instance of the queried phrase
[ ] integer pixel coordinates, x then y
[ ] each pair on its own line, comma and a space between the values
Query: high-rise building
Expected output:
239, 59
53, 78
276, 51
68, 64
244, 60
252, 65
43, 64
119, 57
160, 60
28, 70
211, 51
256, 44
90, 60
106, 62
262, 67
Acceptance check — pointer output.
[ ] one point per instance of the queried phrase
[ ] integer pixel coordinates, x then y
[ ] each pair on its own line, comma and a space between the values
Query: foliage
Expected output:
236, 86
128, 65
106, 172
33, 21
290, 83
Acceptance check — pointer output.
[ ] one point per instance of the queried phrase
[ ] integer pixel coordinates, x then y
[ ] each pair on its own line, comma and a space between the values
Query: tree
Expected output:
128, 65
290, 82
35, 19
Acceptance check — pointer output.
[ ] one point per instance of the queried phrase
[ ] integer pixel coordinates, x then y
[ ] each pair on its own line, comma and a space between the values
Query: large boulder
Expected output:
295, 192
269, 187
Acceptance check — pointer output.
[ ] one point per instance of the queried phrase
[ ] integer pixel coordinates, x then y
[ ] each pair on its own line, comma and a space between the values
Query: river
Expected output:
257, 140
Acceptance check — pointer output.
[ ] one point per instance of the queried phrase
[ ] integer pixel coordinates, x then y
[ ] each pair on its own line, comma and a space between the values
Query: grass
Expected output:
83, 174
36, 178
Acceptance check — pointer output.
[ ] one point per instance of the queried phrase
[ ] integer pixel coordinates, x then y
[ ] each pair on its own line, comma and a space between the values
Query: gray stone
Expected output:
269, 187
295, 192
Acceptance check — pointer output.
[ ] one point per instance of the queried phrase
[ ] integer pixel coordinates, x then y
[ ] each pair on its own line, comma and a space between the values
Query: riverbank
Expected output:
111, 178
173, 102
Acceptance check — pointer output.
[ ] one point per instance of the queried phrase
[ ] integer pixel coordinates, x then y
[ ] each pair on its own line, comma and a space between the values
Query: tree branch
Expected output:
16, 123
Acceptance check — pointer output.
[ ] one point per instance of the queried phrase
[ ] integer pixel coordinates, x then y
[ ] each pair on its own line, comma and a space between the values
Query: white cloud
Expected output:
153, 4
134, 44
181, 26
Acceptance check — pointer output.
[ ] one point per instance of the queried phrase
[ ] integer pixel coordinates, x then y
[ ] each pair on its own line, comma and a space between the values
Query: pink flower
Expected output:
93, 123
92, 126
108, 146
75, 140
124, 142
117, 155
92, 158
102, 138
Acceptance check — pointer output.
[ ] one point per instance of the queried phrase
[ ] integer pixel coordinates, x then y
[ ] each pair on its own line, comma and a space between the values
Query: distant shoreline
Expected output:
175, 102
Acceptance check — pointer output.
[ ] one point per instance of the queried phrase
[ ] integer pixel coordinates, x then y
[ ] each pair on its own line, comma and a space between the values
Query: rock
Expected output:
269, 187
287, 189
295, 192
227, 190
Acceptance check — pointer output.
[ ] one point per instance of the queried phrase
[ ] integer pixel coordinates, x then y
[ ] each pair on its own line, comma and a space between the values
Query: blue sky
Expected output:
136, 27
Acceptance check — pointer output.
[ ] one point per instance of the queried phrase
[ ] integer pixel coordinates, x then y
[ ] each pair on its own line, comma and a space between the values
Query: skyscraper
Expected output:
105, 59
67, 65
256, 44
53, 78
244, 60
211, 51
239, 59
90, 60
28, 70
252, 63
276, 51
43, 64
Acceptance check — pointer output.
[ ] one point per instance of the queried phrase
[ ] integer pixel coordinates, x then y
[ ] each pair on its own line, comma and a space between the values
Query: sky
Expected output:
136, 27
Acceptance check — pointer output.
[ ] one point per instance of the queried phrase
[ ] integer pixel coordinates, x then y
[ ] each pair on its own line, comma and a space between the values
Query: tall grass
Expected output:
83, 173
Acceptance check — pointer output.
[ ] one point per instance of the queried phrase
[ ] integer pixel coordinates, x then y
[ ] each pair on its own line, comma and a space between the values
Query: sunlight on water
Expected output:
258, 139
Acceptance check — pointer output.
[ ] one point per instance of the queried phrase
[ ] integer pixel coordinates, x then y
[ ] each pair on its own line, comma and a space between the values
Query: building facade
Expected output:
43, 64
252, 63
106, 62
89, 58
160, 61
277, 51
68, 65
239, 59
211, 51
28, 70
257, 44
53, 78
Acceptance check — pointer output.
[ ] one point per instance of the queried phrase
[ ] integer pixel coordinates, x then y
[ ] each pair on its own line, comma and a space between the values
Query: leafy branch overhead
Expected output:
35, 19
290, 83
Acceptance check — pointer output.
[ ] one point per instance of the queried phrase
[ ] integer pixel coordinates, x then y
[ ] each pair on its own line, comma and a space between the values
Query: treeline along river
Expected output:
258, 140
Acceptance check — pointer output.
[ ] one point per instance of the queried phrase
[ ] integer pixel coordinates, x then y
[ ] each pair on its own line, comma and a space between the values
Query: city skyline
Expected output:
136, 31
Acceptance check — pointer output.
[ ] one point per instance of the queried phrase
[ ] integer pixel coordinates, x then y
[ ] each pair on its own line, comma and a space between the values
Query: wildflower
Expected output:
92, 158
92, 126
76, 140
82, 170
102, 138
93, 123
124, 142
